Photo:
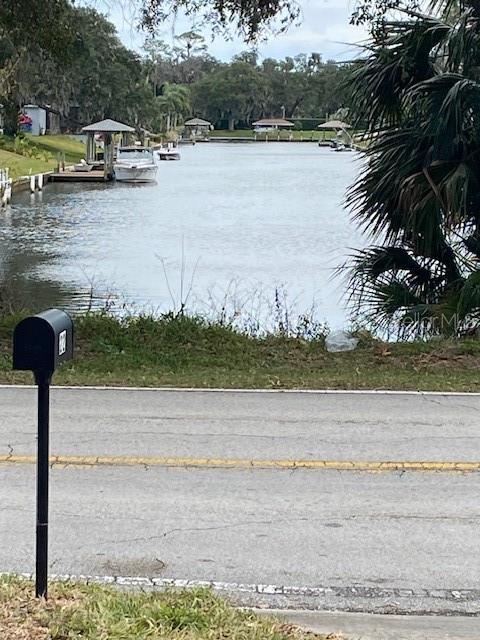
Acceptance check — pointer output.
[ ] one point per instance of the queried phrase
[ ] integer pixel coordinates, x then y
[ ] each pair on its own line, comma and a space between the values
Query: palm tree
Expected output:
174, 103
417, 95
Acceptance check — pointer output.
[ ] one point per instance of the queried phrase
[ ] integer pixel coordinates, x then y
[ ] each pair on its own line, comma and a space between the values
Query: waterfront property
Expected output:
196, 127
105, 129
286, 135
97, 167
342, 137
272, 124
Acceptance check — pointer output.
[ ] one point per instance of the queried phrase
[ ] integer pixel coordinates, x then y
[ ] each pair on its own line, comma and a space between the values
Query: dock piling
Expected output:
5, 187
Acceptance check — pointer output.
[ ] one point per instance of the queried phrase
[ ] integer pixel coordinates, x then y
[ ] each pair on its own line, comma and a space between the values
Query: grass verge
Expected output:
189, 352
23, 166
92, 612
73, 149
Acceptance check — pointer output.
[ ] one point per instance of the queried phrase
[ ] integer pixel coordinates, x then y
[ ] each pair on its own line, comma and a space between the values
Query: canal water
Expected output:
228, 224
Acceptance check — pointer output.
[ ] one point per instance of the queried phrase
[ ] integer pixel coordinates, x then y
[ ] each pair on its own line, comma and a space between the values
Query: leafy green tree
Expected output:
25, 34
95, 76
46, 24
179, 64
417, 93
174, 103
245, 89
250, 18
235, 93
98, 75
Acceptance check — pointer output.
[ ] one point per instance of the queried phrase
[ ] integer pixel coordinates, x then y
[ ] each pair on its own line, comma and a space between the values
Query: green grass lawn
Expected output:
284, 135
20, 165
187, 352
23, 166
73, 149
92, 612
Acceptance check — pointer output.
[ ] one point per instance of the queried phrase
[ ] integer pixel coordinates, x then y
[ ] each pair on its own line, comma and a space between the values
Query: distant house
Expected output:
197, 127
271, 124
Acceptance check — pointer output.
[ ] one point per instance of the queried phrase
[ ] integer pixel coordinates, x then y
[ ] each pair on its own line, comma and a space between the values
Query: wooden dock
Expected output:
77, 176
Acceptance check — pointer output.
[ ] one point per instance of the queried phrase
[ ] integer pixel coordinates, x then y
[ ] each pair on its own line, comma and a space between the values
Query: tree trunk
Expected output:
290, 112
231, 123
10, 115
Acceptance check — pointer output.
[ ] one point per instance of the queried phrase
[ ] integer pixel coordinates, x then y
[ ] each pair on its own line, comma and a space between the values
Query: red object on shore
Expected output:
24, 119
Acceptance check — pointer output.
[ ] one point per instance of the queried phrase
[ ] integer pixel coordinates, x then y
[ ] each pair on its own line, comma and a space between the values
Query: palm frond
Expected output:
403, 59
418, 91
469, 296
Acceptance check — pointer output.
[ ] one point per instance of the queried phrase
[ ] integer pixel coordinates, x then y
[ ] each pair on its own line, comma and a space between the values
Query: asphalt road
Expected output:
361, 626
396, 541
246, 425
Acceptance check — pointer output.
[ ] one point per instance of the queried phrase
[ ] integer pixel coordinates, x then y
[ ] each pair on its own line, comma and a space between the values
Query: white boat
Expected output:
342, 147
135, 164
170, 152
340, 144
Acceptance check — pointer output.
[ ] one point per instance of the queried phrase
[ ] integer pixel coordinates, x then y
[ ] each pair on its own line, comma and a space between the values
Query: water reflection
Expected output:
20, 289
257, 215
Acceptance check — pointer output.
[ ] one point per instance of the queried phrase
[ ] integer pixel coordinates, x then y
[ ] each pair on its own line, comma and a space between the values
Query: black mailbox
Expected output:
42, 342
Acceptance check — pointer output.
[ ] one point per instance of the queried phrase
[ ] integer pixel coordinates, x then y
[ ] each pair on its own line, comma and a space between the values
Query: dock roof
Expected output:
108, 126
273, 122
196, 122
334, 124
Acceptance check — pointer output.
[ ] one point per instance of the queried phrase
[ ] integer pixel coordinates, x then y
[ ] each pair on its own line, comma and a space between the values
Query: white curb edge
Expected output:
358, 591
386, 392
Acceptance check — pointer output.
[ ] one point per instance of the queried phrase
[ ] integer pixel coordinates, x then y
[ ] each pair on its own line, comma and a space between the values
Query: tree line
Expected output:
80, 69
235, 94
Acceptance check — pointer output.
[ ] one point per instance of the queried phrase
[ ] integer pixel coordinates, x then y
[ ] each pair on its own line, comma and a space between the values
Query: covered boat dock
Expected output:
94, 169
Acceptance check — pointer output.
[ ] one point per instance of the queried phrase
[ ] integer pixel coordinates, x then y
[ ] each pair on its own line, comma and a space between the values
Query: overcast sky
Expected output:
324, 28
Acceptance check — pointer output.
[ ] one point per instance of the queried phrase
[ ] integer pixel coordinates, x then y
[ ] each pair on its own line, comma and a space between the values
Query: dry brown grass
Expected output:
24, 617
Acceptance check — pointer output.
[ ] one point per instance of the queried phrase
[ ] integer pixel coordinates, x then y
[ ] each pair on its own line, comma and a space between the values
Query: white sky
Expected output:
324, 28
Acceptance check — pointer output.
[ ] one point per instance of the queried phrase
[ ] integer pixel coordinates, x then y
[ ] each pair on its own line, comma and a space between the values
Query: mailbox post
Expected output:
40, 344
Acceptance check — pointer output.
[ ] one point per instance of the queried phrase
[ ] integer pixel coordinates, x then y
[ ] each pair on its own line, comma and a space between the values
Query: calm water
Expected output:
235, 218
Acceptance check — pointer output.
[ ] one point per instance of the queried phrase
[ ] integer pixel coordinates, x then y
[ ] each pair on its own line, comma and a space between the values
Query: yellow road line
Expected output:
235, 463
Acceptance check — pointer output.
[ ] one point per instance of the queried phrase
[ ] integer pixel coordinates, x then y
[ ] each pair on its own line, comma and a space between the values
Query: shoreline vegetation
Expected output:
76, 610
177, 350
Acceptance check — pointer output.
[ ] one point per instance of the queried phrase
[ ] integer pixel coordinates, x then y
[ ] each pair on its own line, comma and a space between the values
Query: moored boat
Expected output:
170, 152
342, 147
135, 164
